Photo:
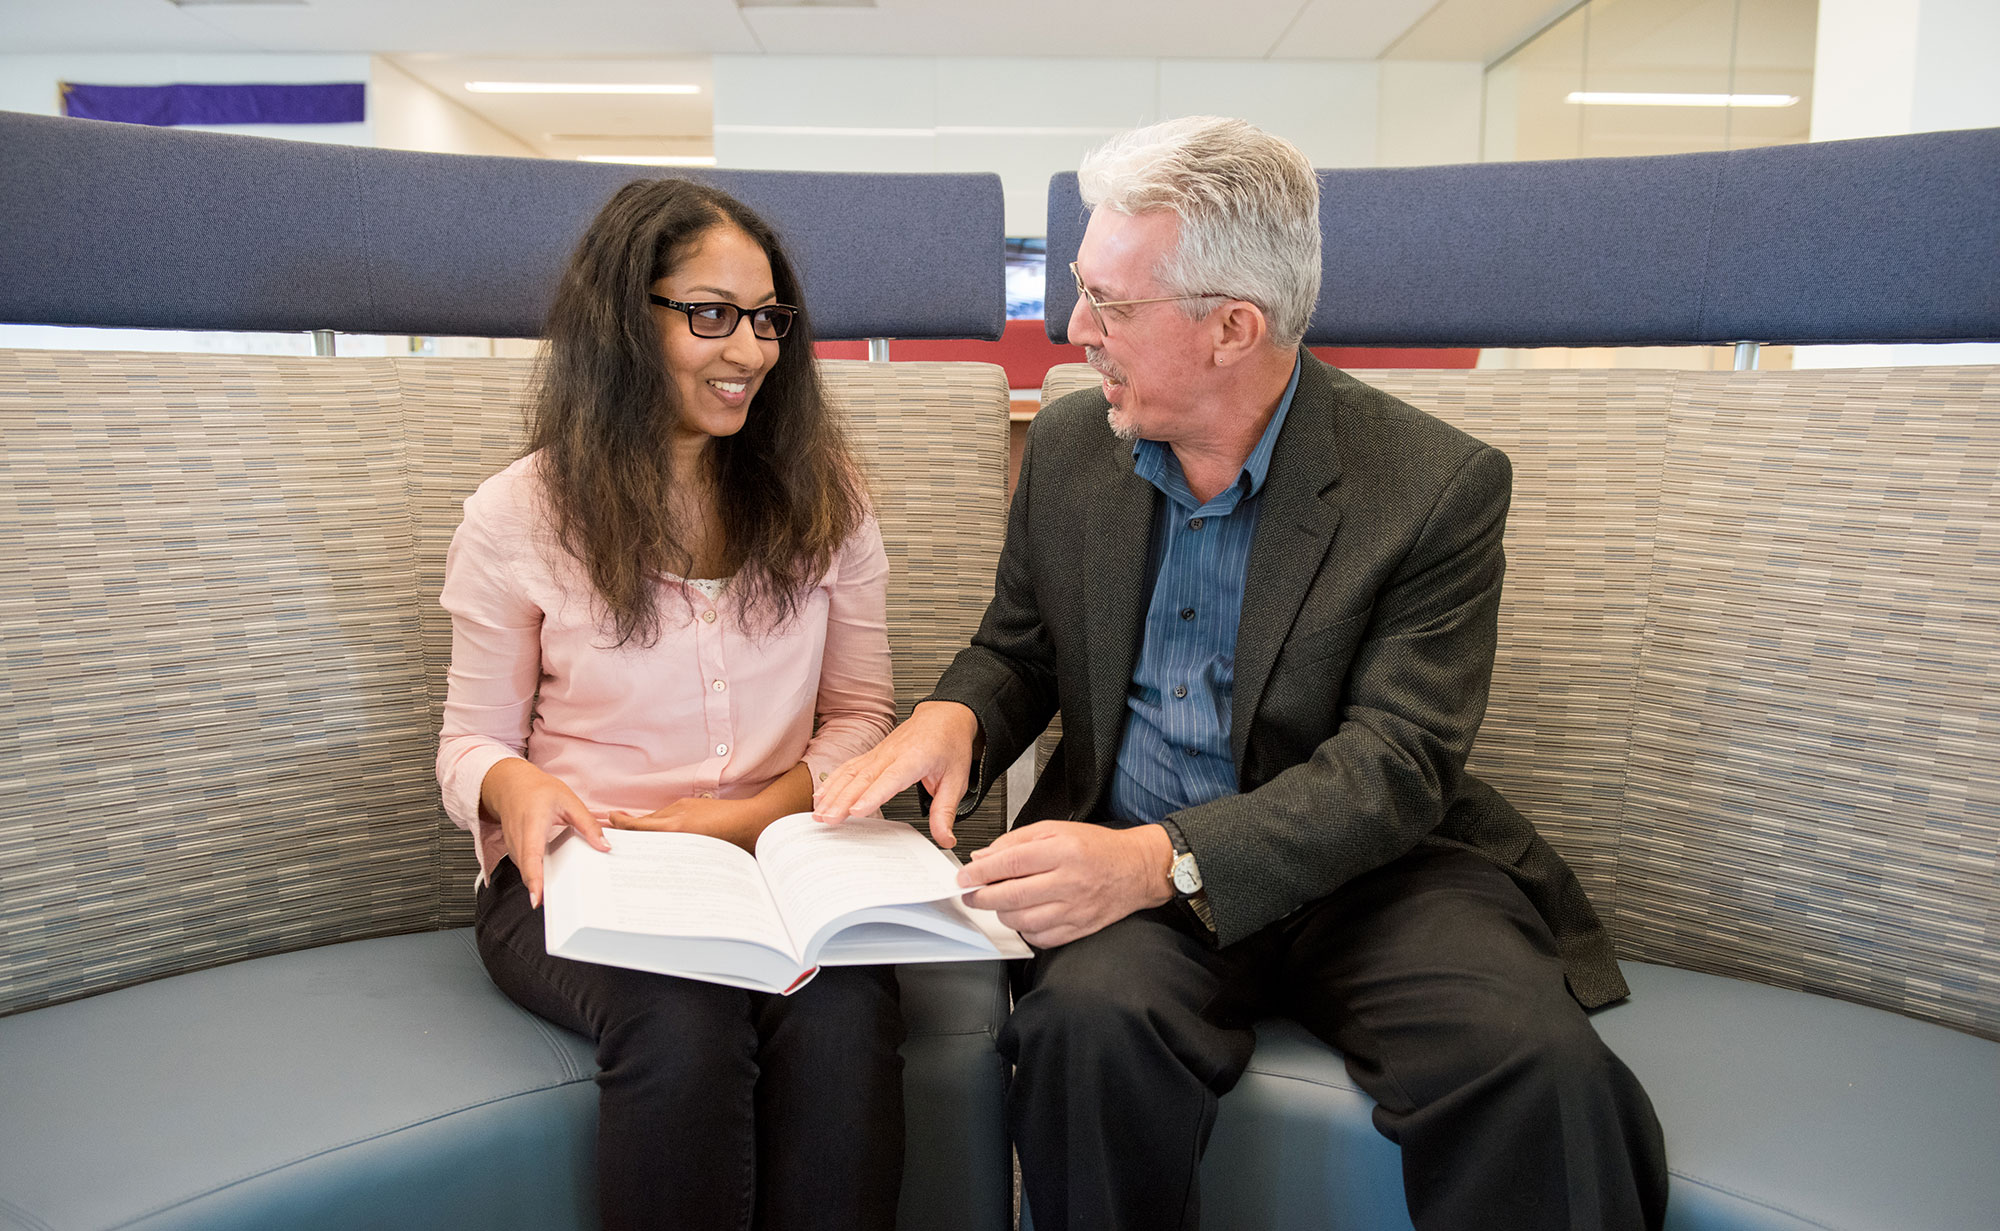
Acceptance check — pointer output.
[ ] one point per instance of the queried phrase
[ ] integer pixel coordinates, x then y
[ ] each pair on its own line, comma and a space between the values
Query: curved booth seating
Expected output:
1745, 680
1783, 1111
386, 1083
237, 983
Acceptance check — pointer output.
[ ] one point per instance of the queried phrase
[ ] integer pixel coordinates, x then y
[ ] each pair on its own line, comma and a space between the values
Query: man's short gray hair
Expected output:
1248, 204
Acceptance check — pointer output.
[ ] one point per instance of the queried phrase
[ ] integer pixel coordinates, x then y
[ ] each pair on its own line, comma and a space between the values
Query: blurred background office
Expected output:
1022, 89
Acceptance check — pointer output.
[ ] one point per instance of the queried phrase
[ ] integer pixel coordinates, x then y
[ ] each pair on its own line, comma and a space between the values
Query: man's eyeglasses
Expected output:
1097, 305
719, 320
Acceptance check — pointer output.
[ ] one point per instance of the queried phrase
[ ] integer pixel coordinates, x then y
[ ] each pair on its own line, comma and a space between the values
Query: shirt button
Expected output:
708, 617
722, 750
1180, 690
1195, 524
719, 685
1187, 613
1193, 752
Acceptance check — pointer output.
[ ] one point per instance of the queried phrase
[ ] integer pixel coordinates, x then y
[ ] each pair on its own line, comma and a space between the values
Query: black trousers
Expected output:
1436, 979
718, 1107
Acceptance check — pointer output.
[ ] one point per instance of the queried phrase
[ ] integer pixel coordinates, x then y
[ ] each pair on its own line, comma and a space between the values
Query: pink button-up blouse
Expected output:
707, 709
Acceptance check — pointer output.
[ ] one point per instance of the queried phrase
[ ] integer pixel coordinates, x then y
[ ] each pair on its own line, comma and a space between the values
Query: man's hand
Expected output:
532, 805
1055, 881
732, 820
934, 747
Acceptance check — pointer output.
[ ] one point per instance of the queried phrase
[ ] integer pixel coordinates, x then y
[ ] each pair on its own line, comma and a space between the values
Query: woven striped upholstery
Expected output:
223, 655
213, 733
1586, 448
1814, 798
934, 439
466, 419
1749, 656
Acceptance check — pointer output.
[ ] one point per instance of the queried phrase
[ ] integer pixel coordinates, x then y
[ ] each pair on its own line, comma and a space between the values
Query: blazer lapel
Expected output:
1294, 533
1117, 532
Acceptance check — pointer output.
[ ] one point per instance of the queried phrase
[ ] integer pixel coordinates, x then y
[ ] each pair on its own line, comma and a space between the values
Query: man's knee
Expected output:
1133, 1004
1087, 1004
1519, 1043
1550, 1051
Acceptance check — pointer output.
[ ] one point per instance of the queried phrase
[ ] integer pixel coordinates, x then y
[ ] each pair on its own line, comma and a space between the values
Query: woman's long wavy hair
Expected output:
789, 492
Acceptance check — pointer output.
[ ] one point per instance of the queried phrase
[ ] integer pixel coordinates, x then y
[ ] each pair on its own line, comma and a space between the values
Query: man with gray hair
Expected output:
1263, 597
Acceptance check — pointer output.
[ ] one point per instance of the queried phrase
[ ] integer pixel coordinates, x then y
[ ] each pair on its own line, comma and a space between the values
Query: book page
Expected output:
662, 884
883, 935
820, 872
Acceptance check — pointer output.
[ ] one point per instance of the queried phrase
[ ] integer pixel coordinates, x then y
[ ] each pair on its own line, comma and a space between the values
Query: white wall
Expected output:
1429, 112
1956, 86
409, 115
1901, 66
1027, 118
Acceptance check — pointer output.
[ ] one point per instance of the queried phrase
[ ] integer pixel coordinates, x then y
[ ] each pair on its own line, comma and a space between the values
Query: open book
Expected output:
859, 893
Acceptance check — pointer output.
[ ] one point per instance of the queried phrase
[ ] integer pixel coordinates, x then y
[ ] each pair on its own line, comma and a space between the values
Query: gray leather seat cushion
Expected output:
1783, 1112
383, 1083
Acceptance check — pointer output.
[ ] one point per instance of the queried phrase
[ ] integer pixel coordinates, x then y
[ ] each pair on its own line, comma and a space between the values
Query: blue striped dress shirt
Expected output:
1175, 750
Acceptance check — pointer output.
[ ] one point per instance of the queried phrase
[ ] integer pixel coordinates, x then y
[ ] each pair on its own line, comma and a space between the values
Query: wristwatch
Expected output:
1185, 875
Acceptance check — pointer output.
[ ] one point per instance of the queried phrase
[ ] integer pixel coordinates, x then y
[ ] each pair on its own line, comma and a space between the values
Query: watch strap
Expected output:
1196, 902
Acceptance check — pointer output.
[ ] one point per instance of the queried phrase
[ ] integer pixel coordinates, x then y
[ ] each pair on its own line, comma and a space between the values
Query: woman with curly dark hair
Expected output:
670, 614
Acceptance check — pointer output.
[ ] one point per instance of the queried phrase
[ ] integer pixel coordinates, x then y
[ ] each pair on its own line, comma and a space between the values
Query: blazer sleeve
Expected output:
1403, 688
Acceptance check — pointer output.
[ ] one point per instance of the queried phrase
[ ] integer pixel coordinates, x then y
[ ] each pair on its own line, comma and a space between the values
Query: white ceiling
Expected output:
445, 43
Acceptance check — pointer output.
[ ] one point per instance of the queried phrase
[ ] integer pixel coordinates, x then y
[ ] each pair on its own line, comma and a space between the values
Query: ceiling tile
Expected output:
1348, 29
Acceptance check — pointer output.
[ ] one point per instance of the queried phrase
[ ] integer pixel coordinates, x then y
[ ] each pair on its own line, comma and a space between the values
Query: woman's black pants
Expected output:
718, 1107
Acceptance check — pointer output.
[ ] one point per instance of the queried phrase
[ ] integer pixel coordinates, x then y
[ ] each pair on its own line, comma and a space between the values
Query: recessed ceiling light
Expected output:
577, 87
1615, 98
653, 160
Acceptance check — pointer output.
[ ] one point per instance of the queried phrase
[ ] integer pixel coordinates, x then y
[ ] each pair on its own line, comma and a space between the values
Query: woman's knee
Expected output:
847, 1014
658, 1026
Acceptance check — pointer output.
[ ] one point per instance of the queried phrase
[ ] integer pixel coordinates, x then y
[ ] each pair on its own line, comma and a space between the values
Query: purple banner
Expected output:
340, 102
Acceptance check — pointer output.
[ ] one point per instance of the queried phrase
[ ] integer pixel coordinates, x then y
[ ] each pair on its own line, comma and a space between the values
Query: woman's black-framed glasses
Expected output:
719, 320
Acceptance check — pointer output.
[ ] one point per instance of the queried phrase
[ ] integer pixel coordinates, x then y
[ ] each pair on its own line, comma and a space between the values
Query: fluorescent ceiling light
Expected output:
576, 87
1615, 98
653, 160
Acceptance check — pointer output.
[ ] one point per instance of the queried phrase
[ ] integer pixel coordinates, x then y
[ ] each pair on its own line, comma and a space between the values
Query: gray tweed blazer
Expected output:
1362, 660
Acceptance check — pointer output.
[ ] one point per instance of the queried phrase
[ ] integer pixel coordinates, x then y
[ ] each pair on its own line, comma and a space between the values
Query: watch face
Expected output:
1187, 877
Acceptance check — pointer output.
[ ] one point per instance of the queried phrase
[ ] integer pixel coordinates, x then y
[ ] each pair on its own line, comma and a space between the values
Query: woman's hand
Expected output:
732, 820
531, 806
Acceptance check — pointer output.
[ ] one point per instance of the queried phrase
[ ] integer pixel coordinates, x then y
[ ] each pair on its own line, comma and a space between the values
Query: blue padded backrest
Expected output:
117, 224
1892, 239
